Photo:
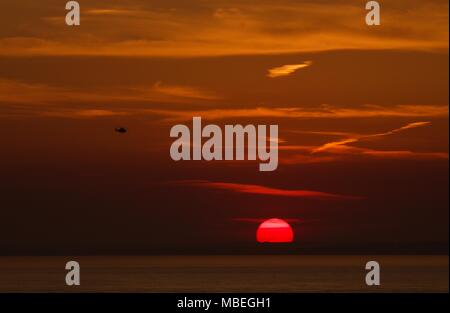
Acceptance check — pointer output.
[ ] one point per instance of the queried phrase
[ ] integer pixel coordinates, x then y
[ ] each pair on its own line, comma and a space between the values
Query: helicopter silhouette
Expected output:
121, 130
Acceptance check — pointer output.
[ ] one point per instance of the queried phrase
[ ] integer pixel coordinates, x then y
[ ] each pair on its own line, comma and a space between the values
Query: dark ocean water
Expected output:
259, 273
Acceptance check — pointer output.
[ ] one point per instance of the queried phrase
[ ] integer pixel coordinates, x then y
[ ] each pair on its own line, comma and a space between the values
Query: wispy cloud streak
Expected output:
337, 144
332, 112
286, 70
263, 190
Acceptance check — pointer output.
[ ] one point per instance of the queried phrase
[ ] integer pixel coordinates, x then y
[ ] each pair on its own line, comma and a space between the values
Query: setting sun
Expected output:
274, 230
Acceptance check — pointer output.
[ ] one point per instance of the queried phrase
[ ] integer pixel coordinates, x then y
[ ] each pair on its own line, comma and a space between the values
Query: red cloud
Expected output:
263, 190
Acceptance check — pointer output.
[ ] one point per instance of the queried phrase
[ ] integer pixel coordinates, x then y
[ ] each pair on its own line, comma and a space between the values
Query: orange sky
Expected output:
362, 113
205, 28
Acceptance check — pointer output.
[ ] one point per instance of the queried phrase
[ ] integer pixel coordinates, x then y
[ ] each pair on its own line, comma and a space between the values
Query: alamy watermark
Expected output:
373, 17
260, 143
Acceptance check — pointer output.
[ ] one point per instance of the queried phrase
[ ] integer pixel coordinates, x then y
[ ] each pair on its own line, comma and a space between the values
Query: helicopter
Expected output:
121, 130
